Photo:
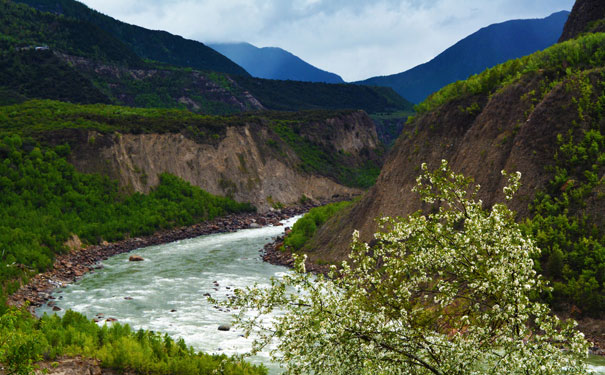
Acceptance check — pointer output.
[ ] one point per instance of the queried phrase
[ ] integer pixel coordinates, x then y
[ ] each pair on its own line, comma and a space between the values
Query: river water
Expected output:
165, 293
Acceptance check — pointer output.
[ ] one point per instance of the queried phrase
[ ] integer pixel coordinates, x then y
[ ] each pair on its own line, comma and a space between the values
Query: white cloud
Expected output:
354, 38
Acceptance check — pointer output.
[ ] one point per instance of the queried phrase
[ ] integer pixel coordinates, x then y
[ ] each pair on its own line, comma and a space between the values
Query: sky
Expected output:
356, 39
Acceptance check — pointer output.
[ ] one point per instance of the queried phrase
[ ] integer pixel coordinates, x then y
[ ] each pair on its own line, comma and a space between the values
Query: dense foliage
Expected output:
307, 225
450, 292
555, 62
43, 200
23, 27
112, 49
149, 44
40, 74
295, 96
25, 340
572, 237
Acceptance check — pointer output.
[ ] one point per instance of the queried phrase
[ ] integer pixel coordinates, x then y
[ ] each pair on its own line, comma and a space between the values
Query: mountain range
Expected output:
485, 48
274, 63
87, 57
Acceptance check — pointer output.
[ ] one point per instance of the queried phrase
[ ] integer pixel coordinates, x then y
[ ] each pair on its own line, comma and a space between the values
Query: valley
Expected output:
121, 142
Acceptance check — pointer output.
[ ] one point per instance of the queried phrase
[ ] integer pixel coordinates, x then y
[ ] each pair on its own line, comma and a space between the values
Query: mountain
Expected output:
487, 47
586, 16
148, 44
541, 115
81, 62
274, 63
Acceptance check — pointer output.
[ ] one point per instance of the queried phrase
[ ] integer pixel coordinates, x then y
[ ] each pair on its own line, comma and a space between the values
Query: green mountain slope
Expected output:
22, 27
85, 64
296, 95
148, 44
542, 115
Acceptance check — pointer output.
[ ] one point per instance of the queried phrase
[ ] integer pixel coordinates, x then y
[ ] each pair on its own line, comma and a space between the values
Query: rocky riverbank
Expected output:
274, 253
70, 267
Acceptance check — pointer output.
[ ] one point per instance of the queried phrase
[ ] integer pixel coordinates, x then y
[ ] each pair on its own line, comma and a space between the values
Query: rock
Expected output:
56, 308
224, 327
128, 298
136, 258
111, 320
173, 310
254, 225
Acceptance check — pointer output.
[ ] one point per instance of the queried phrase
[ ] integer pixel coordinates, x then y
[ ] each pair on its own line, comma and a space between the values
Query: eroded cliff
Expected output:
249, 162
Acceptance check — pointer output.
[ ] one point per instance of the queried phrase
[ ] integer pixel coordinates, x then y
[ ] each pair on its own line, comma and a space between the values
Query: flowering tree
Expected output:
448, 292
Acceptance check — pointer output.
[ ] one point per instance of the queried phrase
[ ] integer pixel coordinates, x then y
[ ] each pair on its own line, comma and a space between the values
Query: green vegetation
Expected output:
554, 63
295, 96
23, 27
43, 200
318, 158
25, 340
36, 117
41, 74
572, 237
306, 226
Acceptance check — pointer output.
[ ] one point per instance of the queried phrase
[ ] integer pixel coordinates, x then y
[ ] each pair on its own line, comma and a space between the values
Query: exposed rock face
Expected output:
242, 164
582, 18
507, 133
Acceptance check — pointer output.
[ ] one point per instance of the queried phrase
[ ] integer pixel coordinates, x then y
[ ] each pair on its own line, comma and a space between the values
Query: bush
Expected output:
24, 340
307, 225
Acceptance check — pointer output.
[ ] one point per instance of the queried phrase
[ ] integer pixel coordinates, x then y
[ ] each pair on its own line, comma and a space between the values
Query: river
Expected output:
165, 293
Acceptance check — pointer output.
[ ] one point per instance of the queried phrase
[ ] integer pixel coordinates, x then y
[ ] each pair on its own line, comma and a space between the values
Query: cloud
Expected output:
354, 38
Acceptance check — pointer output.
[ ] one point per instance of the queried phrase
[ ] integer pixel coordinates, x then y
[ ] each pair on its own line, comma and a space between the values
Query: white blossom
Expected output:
448, 292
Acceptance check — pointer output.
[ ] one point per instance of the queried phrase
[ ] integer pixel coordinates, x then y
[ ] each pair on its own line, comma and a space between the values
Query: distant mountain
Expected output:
487, 47
274, 63
45, 55
149, 44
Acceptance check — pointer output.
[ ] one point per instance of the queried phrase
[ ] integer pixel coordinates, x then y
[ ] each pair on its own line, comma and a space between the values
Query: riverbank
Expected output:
274, 253
69, 267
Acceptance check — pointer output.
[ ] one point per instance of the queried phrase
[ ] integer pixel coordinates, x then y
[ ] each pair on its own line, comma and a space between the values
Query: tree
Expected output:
449, 292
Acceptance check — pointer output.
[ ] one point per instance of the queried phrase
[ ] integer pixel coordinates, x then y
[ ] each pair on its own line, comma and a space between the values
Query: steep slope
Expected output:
24, 28
274, 63
154, 45
541, 115
485, 48
586, 16
267, 159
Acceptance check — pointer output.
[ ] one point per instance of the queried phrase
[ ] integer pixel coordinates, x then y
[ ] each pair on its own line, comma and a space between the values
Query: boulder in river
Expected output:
254, 225
224, 327
136, 258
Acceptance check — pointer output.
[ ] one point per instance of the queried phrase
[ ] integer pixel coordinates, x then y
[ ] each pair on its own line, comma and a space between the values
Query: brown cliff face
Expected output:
584, 18
514, 130
249, 163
